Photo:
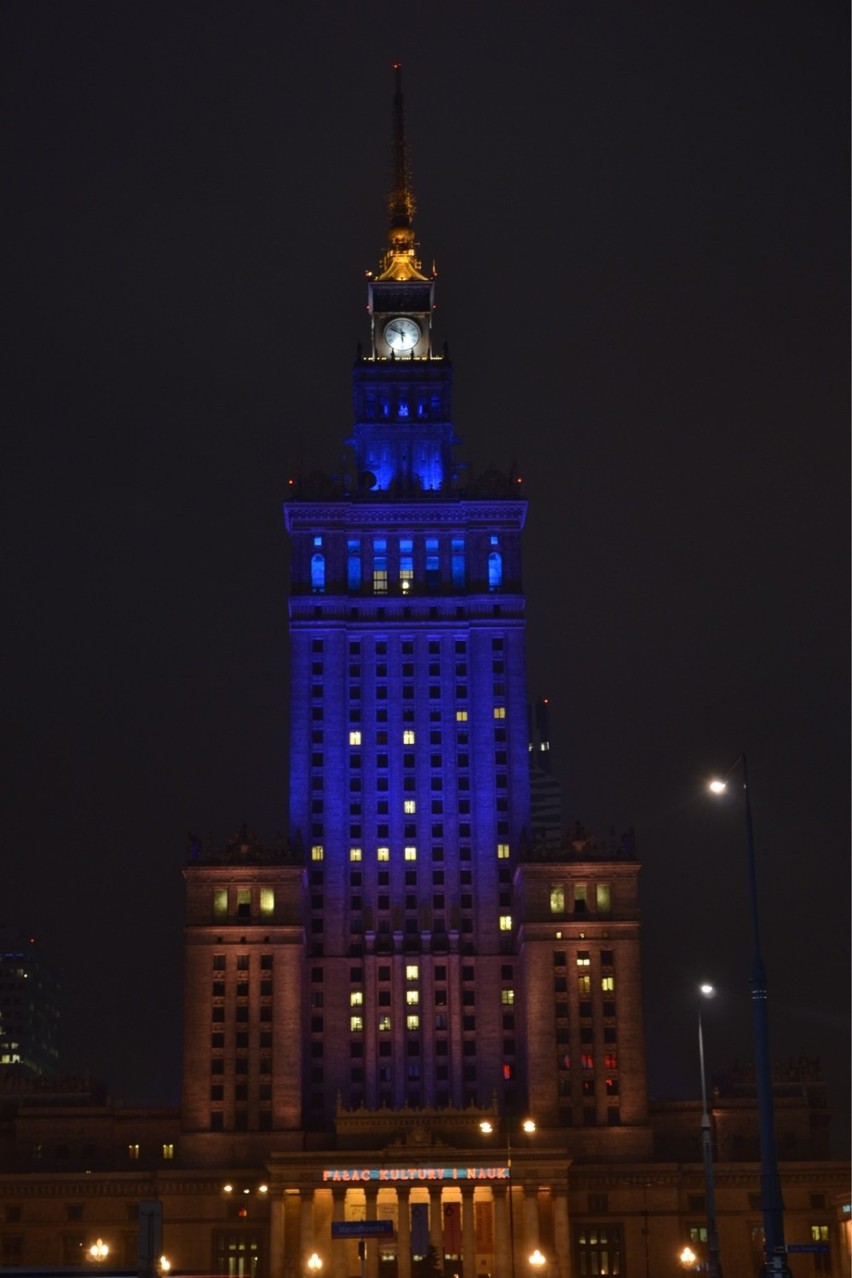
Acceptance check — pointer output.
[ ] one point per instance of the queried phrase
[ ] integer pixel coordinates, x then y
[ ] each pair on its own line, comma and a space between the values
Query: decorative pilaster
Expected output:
403, 1232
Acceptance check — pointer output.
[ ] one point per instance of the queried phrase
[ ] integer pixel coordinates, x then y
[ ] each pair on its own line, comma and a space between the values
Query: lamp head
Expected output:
716, 786
707, 991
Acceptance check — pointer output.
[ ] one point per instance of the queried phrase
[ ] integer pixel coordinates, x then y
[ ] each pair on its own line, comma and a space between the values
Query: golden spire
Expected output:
399, 261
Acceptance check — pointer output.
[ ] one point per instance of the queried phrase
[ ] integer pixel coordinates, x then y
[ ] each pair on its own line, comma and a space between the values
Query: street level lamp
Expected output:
714, 1263
98, 1251
314, 1264
537, 1260
688, 1258
527, 1126
772, 1204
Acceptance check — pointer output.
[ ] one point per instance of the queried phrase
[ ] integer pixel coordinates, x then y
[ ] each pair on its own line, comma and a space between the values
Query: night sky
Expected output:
639, 214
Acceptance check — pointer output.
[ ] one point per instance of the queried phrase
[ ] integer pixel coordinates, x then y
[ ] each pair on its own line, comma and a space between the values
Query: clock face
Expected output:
402, 334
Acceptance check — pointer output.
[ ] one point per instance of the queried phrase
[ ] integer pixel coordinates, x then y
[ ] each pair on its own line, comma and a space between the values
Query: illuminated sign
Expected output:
340, 1175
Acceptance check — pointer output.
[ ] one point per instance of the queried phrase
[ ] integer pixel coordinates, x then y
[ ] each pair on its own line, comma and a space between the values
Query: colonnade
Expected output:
535, 1218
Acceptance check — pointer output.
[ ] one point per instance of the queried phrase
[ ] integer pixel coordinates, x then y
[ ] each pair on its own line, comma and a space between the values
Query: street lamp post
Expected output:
772, 1204
714, 1263
527, 1126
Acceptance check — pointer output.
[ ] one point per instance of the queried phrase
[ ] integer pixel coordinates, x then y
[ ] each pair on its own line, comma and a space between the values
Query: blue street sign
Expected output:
361, 1228
821, 1247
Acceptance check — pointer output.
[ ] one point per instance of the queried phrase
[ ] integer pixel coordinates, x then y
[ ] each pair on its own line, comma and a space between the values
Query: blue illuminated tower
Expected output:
408, 745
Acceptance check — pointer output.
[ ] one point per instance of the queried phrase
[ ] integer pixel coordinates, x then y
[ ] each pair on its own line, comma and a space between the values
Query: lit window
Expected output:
461, 716
457, 563
608, 984
603, 898
168, 1150
409, 805
354, 854
580, 898
408, 736
819, 1233
356, 998
499, 712
412, 972
584, 984
384, 1023
412, 997
220, 902
317, 852
380, 566
317, 540
412, 1022
502, 851
317, 573
507, 996
583, 958
356, 1024
587, 1061
495, 570
557, 899
505, 922
382, 854
133, 1151
354, 738
267, 901
410, 854
353, 565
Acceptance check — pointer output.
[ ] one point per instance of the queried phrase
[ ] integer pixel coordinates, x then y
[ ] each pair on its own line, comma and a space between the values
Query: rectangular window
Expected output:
267, 901
457, 563
356, 1024
580, 898
499, 712
317, 852
608, 984
380, 566
603, 898
406, 563
353, 564
557, 899
505, 922
354, 854
168, 1150
410, 854
220, 902
433, 572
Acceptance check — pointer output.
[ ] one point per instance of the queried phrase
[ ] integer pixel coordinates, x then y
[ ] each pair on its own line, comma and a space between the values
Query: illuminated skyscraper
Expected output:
420, 944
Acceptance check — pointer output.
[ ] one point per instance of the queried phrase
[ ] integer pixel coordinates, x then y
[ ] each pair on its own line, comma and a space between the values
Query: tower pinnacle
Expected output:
399, 261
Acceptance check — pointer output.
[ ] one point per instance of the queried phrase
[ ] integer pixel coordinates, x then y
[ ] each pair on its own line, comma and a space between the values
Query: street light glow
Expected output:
717, 787
707, 990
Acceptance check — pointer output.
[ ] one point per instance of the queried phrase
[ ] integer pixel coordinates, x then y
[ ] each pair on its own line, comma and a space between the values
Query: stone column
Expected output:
338, 1245
306, 1227
530, 1225
372, 1260
468, 1232
561, 1233
436, 1224
403, 1232
502, 1258
276, 1236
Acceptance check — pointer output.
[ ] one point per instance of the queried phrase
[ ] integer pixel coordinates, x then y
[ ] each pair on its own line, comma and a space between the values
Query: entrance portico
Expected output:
469, 1212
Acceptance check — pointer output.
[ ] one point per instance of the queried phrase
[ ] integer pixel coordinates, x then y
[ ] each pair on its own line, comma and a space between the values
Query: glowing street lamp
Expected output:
714, 1264
537, 1260
772, 1204
98, 1251
314, 1264
688, 1258
527, 1125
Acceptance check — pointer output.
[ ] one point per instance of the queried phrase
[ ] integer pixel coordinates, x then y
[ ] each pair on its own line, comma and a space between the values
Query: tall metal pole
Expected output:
770, 1181
511, 1202
714, 1263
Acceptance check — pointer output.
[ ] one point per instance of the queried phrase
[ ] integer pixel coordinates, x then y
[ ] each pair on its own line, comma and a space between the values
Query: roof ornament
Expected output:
400, 261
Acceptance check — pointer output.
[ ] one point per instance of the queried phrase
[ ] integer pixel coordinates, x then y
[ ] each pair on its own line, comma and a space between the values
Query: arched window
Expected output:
317, 573
495, 570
